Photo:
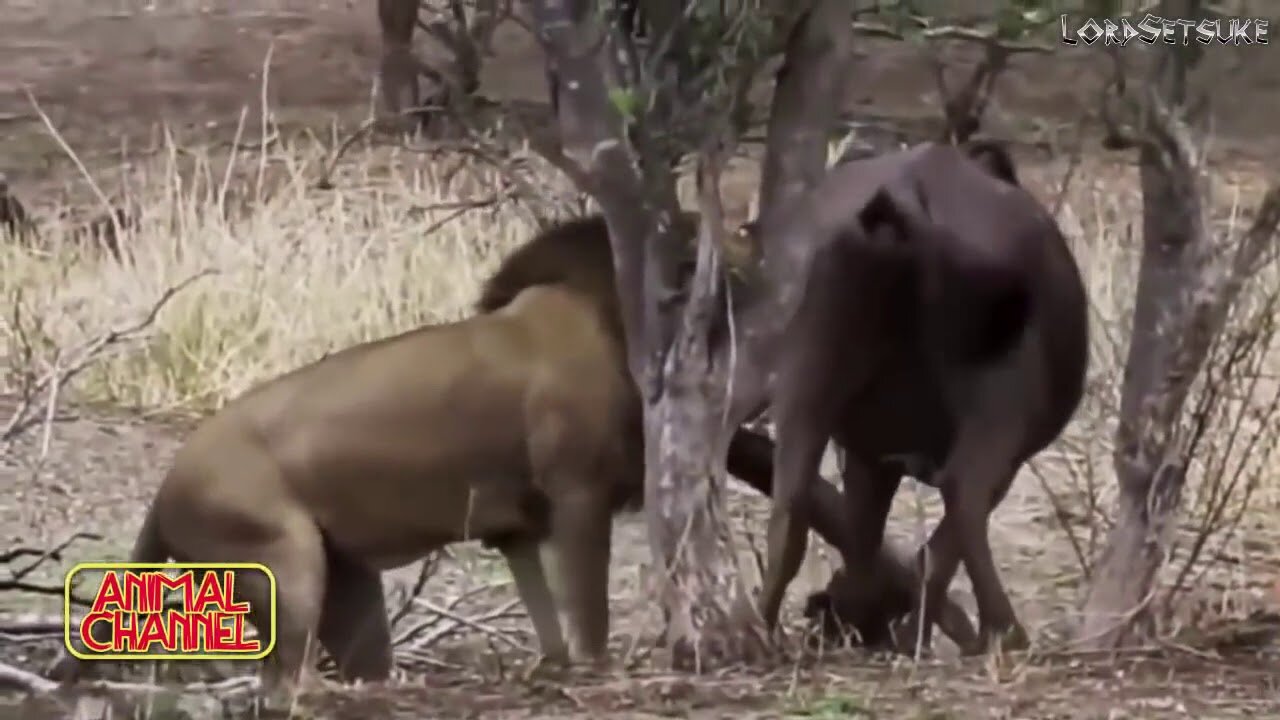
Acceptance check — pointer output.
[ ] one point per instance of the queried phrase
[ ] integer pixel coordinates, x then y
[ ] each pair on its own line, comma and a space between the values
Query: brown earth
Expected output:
113, 72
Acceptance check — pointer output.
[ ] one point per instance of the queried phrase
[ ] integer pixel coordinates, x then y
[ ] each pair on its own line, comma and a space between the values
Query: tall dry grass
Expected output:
292, 272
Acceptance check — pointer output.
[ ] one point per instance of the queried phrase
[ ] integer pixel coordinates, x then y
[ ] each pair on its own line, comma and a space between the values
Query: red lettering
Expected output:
210, 594
229, 586
152, 632
199, 633
135, 592
152, 596
126, 633
229, 635
211, 621
183, 582
86, 632
108, 593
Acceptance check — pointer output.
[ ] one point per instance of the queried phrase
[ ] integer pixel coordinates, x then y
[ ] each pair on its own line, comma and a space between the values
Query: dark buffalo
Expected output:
941, 332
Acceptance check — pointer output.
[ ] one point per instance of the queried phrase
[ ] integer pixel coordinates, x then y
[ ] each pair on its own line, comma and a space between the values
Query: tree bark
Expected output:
1184, 293
682, 376
668, 341
807, 99
398, 87
808, 96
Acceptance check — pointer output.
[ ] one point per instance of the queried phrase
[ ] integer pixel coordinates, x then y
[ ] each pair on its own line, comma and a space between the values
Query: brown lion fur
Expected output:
517, 426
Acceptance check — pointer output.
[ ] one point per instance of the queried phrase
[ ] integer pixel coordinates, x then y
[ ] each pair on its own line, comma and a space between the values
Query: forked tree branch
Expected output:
595, 147
965, 105
1186, 287
807, 98
1209, 285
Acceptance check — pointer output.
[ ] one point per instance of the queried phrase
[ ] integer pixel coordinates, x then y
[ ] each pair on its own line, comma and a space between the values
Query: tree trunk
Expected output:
668, 349
398, 88
806, 101
707, 608
681, 375
1184, 293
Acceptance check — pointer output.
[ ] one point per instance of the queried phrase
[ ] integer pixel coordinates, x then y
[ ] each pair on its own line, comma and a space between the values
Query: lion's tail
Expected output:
149, 547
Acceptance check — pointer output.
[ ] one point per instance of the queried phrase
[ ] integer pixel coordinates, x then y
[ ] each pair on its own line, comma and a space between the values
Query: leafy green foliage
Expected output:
626, 102
693, 77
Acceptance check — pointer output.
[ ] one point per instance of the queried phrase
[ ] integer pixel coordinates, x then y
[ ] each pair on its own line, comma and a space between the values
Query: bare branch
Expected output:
16, 678
953, 32
54, 553
596, 148
82, 357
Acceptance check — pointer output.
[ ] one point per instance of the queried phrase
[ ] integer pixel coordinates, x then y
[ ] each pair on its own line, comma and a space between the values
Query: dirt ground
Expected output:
111, 73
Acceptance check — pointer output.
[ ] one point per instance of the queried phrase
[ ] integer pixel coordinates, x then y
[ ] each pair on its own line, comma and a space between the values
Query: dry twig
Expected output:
17, 578
66, 365
963, 107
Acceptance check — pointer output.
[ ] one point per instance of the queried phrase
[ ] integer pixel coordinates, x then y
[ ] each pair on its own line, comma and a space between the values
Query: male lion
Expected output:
514, 427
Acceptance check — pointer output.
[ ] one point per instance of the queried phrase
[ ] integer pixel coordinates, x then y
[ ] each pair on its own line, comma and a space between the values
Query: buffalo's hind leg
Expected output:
353, 624
868, 496
974, 480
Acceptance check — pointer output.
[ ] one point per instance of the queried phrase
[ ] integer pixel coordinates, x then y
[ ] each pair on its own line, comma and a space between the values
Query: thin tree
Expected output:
628, 111
1187, 283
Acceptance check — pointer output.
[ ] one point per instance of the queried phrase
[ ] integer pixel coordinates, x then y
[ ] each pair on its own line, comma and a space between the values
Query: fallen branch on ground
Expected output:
415, 634
17, 678
325, 181
480, 623
31, 629
17, 578
951, 32
428, 568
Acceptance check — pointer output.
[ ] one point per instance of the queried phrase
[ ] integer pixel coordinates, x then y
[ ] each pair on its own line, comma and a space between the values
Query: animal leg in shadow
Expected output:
973, 482
580, 534
354, 624
535, 592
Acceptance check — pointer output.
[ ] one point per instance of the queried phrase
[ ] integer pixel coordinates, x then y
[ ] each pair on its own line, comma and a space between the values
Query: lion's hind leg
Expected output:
353, 624
287, 541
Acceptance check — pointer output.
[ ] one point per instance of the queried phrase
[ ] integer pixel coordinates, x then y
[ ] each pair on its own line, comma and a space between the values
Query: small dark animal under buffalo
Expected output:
942, 327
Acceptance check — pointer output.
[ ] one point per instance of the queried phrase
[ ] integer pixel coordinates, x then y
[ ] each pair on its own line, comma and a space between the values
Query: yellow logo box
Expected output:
168, 611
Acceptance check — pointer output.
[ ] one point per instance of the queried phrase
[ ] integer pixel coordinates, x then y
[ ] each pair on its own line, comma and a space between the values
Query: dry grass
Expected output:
295, 272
